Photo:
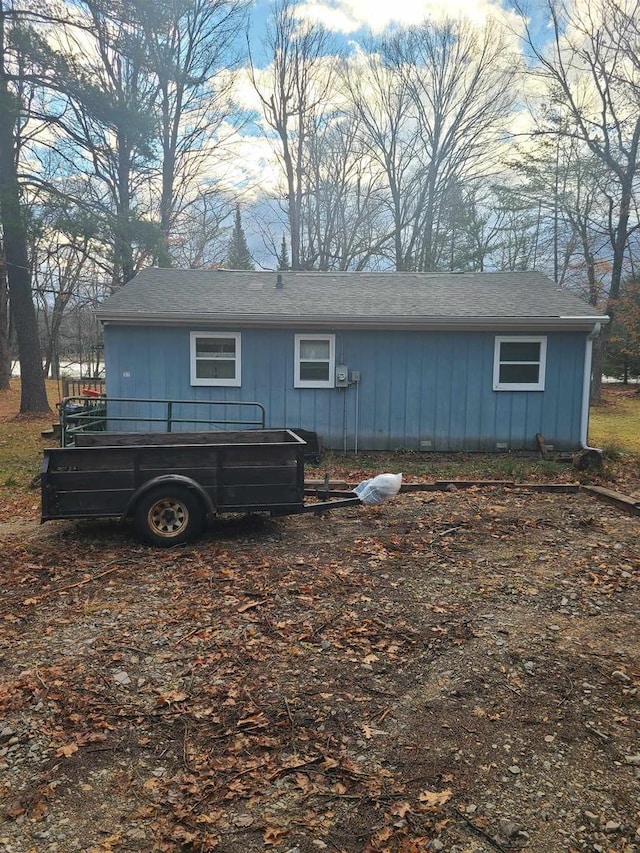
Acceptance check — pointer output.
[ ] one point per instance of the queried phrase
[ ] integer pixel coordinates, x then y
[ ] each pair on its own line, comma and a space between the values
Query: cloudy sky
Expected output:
352, 22
349, 17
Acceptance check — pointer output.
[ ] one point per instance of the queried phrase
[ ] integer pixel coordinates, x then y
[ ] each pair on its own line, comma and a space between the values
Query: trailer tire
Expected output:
169, 515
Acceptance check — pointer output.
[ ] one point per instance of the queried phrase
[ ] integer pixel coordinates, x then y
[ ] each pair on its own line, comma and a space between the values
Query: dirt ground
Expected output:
453, 671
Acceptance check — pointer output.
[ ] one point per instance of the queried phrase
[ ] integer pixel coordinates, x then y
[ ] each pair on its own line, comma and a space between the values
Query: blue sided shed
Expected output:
369, 361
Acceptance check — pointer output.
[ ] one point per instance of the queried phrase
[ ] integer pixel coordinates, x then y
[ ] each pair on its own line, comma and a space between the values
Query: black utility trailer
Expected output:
171, 483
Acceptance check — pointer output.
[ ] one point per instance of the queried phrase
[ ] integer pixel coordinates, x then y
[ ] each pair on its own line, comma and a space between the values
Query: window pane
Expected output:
524, 373
311, 371
520, 351
216, 369
215, 347
314, 350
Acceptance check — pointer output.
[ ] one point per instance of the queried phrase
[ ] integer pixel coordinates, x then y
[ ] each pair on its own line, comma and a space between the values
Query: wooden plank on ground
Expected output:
548, 487
326, 484
467, 484
623, 502
443, 485
326, 493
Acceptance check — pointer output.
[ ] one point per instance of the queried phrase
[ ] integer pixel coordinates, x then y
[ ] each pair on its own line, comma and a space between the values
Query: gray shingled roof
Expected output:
418, 300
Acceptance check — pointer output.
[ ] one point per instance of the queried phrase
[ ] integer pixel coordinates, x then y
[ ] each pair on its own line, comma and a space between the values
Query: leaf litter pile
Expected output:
450, 671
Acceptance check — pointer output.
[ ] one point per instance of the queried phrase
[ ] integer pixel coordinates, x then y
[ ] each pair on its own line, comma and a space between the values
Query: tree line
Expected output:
447, 146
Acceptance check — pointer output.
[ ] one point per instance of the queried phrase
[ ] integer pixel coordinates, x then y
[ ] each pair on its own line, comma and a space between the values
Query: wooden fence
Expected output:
72, 387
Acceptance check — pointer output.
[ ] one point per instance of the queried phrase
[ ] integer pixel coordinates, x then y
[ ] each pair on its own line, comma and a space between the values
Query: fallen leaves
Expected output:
431, 799
303, 685
67, 750
371, 731
273, 835
107, 845
170, 697
250, 605
254, 722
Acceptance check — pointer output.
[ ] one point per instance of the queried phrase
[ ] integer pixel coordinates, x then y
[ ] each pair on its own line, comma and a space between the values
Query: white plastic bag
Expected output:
378, 489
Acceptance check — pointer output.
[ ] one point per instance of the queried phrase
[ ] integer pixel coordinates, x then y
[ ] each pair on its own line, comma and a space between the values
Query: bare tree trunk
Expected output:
5, 345
295, 101
608, 57
33, 391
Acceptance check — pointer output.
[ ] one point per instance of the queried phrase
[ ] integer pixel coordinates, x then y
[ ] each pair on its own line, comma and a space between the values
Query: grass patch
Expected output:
20, 451
518, 467
615, 426
21, 446
615, 423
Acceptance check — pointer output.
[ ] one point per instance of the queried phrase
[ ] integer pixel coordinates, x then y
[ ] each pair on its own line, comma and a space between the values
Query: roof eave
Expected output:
134, 318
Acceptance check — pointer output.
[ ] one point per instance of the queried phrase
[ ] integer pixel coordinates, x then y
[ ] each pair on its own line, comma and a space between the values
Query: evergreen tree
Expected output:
283, 255
238, 257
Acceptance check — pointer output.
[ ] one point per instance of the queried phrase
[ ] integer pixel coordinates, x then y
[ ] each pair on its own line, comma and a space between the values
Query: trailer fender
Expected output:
174, 480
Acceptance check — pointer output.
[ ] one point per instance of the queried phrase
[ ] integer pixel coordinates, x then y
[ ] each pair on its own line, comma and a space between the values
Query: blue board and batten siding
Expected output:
418, 390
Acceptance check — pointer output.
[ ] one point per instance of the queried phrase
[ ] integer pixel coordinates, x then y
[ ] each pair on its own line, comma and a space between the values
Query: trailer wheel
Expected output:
169, 515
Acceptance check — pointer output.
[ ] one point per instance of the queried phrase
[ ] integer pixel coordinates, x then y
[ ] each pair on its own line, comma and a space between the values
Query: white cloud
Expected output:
248, 168
252, 164
348, 16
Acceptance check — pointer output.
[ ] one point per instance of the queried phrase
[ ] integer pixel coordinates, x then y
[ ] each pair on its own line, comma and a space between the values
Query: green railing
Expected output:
97, 414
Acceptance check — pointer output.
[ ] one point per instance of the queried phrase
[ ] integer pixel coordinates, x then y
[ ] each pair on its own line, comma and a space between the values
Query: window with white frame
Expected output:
215, 358
519, 363
315, 361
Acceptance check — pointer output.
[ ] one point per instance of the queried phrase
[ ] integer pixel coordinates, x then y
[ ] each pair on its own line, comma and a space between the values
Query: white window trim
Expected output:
315, 383
195, 380
542, 364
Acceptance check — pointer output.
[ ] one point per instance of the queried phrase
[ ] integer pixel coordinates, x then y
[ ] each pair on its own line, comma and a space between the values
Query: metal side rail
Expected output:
98, 414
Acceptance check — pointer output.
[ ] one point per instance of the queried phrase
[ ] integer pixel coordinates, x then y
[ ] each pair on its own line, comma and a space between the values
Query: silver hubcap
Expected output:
168, 517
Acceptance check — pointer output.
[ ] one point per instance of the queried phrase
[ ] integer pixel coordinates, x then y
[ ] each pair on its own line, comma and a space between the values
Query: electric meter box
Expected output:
342, 376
